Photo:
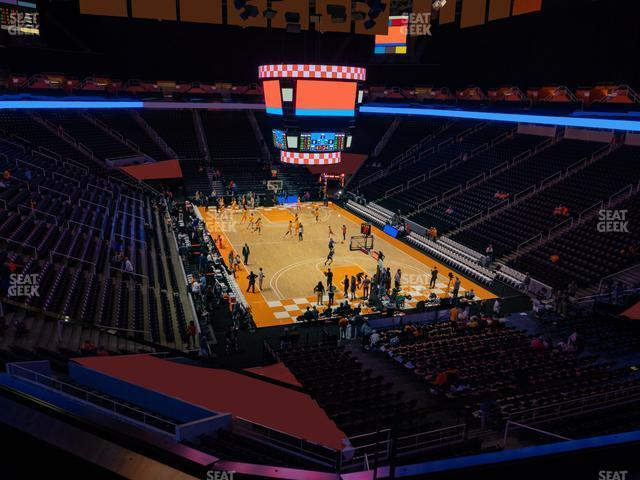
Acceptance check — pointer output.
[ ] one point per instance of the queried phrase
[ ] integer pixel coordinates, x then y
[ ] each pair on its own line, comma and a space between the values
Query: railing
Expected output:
69, 222
32, 165
596, 206
537, 430
33, 210
378, 444
622, 193
471, 219
551, 179
416, 180
480, 149
52, 153
538, 237
524, 192
576, 165
394, 190
311, 450
435, 171
499, 168
475, 180
426, 203
40, 187
81, 200
21, 244
54, 253
103, 401
577, 406
100, 188
56, 174
370, 178
459, 159
452, 191
560, 226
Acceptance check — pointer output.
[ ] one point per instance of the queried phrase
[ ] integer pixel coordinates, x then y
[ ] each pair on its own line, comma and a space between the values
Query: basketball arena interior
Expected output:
319, 239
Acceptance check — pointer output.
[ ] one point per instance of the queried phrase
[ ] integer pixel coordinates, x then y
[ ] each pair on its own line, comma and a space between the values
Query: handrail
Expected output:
32, 165
560, 225
100, 188
498, 168
628, 189
50, 152
527, 190
49, 382
551, 178
452, 191
67, 177
31, 210
22, 244
471, 219
498, 205
55, 191
55, 253
426, 203
394, 190
539, 237
597, 205
92, 203
537, 430
577, 164
476, 179
416, 180
576, 405
83, 225
437, 170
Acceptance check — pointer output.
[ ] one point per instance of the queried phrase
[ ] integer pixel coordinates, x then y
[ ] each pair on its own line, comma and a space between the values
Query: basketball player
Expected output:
289, 231
251, 221
244, 214
331, 234
329, 259
316, 213
258, 227
344, 233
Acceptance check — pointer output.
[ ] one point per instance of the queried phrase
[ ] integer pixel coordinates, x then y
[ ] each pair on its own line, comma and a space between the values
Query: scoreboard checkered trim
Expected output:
330, 72
298, 158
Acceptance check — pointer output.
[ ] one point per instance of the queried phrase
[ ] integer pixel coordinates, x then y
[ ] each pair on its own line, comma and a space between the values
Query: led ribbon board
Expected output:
298, 158
581, 122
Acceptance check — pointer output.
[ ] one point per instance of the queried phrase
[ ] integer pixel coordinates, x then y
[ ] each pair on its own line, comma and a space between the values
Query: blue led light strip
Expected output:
607, 124
71, 104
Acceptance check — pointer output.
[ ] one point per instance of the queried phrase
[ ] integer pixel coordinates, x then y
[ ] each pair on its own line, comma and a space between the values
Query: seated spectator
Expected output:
88, 348
374, 339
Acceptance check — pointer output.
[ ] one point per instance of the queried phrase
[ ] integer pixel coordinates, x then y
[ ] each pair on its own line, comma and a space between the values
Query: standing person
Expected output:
252, 282
366, 283
329, 275
300, 232
331, 234
434, 277
191, 334
260, 278
289, 232
489, 252
397, 279
316, 213
258, 227
344, 233
353, 287
331, 291
456, 287
345, 283
245, 253
319, 291
128, 268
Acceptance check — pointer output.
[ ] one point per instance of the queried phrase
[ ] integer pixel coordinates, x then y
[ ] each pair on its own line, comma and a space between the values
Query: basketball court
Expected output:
292, 267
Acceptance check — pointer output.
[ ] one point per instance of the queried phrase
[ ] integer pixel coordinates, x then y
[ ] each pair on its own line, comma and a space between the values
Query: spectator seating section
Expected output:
177, 129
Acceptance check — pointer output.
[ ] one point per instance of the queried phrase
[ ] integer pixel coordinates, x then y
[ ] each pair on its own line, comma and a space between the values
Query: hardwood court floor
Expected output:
294, 267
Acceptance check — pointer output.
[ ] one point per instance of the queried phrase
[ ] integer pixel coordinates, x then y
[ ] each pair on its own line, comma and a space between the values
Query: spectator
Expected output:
252, 282
319, 291
191, 334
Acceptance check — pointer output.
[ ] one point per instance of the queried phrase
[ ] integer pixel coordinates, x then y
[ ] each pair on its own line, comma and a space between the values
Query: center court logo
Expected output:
23, 285
613, 221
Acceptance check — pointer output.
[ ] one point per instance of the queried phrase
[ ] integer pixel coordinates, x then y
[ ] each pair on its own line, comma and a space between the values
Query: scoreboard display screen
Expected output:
322, 142
279, 139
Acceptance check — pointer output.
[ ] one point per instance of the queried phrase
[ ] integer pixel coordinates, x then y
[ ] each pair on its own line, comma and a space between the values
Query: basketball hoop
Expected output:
274, 186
